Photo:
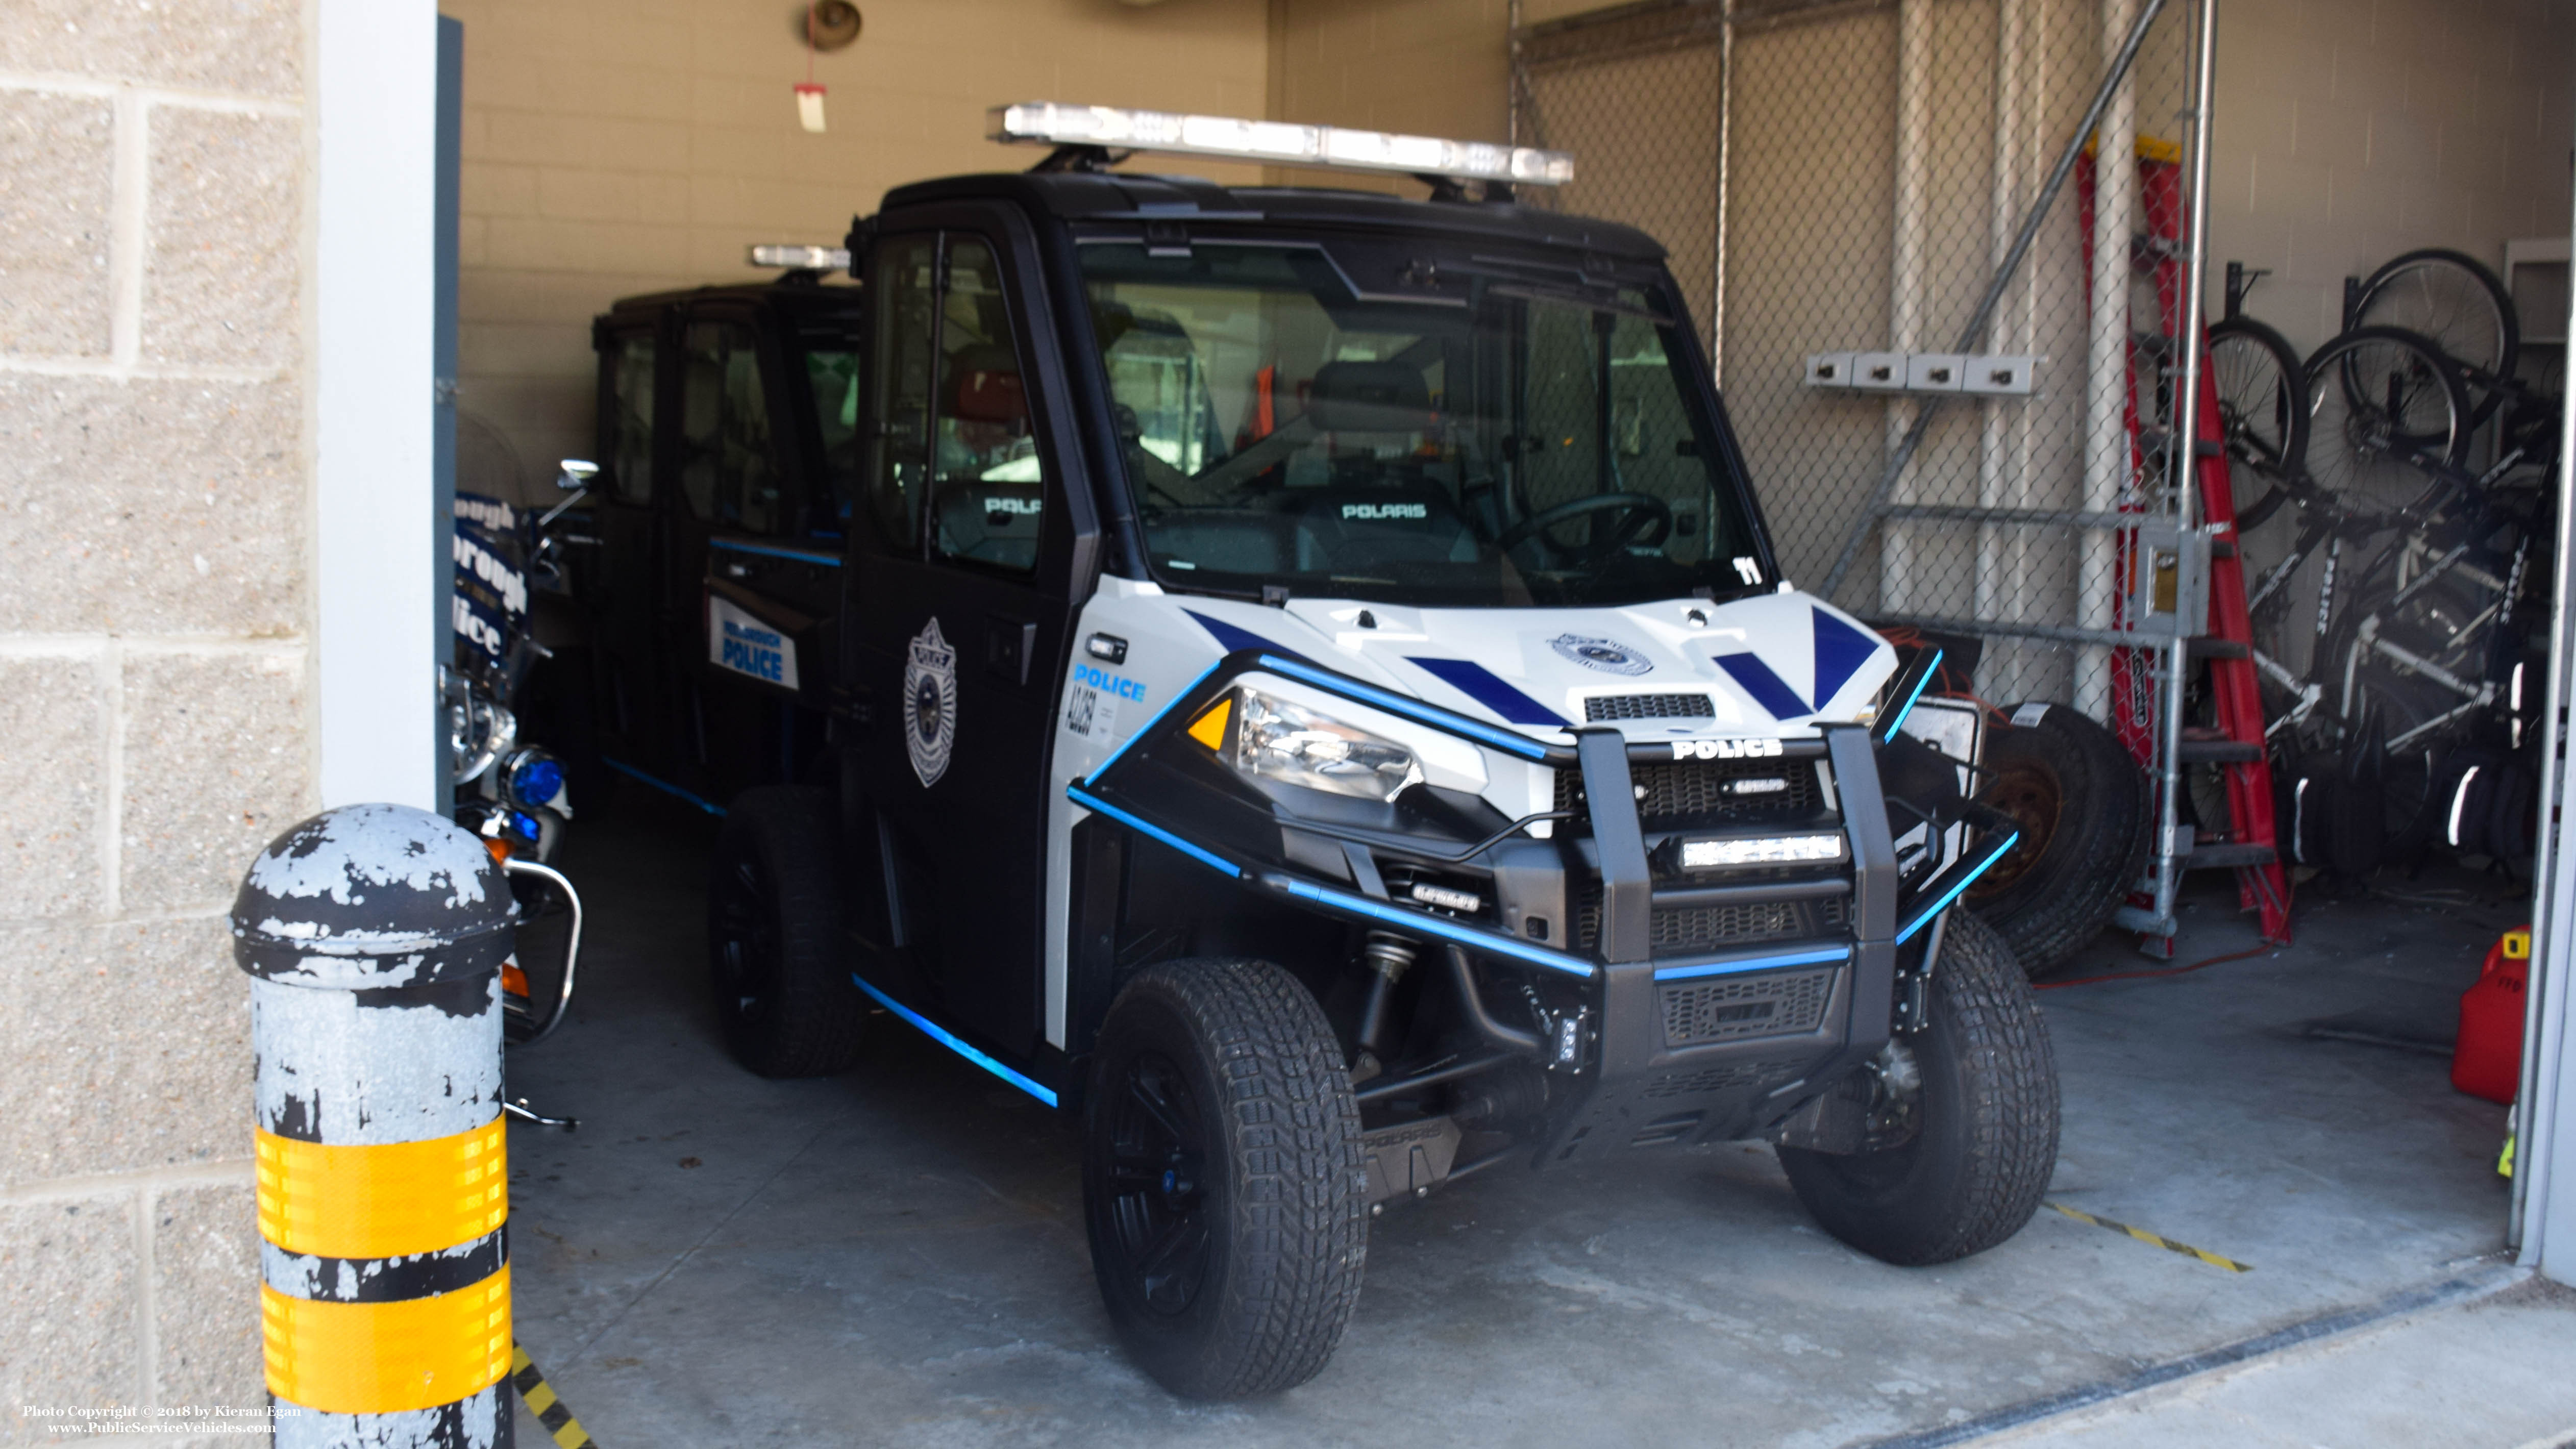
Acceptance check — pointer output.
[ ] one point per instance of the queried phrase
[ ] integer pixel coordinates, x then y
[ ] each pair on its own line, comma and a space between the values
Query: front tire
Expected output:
783, 995
1984, 1117
1222, 1179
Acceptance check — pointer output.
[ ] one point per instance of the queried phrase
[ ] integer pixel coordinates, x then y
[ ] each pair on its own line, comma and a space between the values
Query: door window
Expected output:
987, 494
727, 473
907, 289
630, 395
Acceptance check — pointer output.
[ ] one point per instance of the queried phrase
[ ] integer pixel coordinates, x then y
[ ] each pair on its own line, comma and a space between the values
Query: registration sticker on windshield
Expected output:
739, 642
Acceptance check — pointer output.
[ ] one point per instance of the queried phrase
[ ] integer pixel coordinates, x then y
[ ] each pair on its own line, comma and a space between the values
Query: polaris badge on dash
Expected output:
1296, 680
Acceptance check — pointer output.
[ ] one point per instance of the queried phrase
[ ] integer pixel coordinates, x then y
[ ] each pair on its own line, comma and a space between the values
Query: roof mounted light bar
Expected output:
816, 259
1046, 123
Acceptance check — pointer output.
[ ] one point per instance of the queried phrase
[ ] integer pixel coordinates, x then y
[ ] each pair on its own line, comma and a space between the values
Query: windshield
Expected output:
1504, 443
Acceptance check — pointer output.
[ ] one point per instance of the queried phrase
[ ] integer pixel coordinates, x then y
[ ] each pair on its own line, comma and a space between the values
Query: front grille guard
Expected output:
1878, 920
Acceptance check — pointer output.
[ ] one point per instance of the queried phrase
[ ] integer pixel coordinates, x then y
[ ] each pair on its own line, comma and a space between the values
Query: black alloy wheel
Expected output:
1158, 1201
1223, 1185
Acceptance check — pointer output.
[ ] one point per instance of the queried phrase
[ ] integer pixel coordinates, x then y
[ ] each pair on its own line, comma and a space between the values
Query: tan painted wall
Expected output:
616, 148
154, 623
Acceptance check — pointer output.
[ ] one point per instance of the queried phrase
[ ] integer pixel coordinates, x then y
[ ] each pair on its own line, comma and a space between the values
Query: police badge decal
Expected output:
930, 704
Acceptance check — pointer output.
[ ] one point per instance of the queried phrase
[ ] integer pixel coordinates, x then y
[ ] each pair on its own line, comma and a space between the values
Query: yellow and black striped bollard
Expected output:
374, 935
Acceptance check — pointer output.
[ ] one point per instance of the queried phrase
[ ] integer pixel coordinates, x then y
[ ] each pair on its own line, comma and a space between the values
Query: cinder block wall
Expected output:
153, 677
615, 147
2350, 131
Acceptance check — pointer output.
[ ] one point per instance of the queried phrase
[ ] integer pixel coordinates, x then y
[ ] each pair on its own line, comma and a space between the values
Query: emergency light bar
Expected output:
1046, 123
819, 259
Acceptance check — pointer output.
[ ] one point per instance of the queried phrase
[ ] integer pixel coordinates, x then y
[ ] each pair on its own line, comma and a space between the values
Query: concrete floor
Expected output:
895, 1256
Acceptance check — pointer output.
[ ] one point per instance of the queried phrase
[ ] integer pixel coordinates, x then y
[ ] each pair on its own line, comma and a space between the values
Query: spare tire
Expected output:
2083, 807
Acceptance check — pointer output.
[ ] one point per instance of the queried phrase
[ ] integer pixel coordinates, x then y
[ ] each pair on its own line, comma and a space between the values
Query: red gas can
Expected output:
2487, 1061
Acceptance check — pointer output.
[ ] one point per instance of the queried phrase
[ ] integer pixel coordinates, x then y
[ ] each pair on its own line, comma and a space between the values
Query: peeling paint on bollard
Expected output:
374, 935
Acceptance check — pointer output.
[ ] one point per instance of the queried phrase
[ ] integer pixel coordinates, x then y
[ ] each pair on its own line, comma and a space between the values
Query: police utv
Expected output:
1298, 678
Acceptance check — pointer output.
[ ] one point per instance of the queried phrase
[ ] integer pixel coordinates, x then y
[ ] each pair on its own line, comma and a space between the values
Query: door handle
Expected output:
734, 570
1008, 643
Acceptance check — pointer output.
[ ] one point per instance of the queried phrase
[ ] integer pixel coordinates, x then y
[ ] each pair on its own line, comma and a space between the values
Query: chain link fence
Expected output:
1849, 177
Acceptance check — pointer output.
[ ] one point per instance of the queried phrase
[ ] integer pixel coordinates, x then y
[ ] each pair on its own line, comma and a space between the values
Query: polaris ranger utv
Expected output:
1298, 679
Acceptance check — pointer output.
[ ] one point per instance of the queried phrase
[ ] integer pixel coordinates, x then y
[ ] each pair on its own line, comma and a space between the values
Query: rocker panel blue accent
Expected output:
948, 1039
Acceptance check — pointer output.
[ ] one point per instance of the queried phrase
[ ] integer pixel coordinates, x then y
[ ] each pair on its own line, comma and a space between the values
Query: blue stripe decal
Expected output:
666, 786
949, 1040
1154, 719
1412, 709
1757, 963
1230, 637
1431, 925
1767, 688
1840, 652
1488, 689
829, 561
1925, 918
1205, 857
1920, 685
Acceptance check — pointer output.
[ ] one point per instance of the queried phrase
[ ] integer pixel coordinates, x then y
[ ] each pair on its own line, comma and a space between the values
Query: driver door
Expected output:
956, 632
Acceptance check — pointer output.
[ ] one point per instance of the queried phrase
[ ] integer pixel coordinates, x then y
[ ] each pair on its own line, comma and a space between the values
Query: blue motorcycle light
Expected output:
537, 781
526, 824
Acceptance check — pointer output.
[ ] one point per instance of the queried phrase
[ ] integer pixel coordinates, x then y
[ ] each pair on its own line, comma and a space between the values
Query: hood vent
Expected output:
1647, 706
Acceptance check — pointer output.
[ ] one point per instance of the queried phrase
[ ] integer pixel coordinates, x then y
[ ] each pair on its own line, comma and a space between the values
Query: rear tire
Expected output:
1222, 1179
783, 995
2082, 805
1986, 1141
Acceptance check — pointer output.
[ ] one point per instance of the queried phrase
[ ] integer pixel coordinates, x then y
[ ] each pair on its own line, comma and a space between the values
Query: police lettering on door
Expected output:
743, 644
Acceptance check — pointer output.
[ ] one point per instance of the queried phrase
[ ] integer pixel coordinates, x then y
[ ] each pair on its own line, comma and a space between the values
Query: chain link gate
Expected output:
1875, 207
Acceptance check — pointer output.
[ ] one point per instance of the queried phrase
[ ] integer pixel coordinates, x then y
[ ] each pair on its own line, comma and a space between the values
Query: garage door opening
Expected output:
2258, 1134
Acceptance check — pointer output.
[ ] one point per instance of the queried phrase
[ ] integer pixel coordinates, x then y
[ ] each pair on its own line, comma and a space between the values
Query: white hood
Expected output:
1774, 664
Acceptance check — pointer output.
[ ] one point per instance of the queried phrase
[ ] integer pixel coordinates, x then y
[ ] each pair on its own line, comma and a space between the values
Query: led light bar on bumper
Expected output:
1047, 123
1821, 848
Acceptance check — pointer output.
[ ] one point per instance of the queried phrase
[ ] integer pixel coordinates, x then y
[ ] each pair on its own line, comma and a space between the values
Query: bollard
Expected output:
374, 936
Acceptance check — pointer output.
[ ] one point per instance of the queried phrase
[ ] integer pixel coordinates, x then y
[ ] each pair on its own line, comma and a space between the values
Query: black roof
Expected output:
1109, 196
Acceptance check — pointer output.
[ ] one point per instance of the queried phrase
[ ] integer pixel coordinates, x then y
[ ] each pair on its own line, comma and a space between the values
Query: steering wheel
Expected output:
1640, 512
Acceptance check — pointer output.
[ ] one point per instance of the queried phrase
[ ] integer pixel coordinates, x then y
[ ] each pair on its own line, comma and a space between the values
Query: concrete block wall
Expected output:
153, 681
2350, 131
613, 147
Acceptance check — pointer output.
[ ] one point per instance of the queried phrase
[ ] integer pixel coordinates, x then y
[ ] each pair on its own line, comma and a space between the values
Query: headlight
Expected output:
1278, 740
1764, 850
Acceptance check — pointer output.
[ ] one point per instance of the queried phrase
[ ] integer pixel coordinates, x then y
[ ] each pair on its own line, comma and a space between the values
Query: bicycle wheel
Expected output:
2388, 421
2262, 413
2453, 301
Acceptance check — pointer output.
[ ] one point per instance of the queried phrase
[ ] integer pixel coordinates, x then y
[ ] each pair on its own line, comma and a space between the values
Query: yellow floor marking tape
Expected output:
2153, 1241
550, 1410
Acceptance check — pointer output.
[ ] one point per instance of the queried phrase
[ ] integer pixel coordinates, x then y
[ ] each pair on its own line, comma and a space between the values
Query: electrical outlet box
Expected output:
1934, 371
1999, 374
1879, 371
1829, 369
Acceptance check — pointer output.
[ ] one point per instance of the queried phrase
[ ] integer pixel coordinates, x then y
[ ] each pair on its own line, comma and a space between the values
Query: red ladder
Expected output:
2250, 845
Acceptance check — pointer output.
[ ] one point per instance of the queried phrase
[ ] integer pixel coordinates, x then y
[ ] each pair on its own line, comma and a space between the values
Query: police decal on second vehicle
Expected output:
930, 704
742, 643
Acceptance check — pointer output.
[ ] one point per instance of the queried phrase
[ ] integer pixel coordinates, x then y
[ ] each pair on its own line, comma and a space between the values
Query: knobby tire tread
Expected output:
814, 1029
1299, 1199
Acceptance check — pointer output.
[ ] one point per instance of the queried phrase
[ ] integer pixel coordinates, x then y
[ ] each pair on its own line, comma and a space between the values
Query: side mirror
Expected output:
576, 475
